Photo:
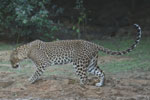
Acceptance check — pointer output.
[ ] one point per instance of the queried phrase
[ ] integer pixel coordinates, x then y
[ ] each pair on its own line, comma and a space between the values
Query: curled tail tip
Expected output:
136, 25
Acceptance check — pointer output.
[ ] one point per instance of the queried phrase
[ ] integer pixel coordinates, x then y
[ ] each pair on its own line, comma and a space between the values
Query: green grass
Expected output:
138, 59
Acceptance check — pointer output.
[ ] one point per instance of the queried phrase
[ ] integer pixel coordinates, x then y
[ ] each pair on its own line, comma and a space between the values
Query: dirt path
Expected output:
117, 87
134, 85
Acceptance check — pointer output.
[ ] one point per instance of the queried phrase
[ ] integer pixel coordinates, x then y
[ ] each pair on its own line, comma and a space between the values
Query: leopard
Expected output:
81, 53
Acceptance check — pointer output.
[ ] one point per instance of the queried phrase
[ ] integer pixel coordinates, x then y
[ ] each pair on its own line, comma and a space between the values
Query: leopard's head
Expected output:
16, 56
14, 59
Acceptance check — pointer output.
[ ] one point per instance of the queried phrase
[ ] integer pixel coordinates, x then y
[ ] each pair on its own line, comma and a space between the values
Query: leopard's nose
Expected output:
16, 66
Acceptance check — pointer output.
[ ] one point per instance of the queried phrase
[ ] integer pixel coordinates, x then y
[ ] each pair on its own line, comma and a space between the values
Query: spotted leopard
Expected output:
82, 54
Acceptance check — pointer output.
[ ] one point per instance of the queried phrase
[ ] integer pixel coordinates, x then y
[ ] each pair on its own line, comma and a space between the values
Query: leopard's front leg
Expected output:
36, 75
41, 62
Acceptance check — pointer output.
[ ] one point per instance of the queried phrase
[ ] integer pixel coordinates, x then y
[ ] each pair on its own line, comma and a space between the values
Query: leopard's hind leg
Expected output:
94, 69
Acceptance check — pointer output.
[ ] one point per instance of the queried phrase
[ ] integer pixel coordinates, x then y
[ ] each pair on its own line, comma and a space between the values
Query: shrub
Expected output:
28, 19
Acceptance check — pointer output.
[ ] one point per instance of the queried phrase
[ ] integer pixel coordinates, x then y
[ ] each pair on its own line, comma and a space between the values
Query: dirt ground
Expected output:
131, 85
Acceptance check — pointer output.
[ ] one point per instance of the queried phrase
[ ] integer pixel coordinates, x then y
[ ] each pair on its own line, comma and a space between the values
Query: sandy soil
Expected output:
131, 85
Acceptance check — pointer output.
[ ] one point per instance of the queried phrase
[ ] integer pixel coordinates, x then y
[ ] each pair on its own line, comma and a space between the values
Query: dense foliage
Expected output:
28, 19
25, 20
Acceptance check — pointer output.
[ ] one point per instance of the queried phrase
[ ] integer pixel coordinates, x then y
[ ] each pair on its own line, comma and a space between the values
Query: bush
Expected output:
28, 19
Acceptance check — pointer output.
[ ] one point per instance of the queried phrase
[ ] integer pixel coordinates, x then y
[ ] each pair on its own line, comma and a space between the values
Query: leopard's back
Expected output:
66, 51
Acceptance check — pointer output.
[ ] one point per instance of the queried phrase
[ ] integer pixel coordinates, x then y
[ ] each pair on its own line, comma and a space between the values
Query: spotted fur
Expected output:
82, 54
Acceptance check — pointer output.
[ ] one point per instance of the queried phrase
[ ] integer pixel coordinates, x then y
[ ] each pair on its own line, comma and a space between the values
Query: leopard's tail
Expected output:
108, 51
